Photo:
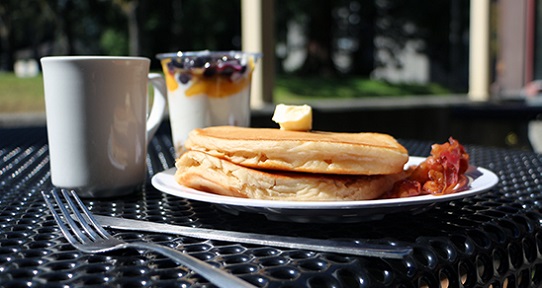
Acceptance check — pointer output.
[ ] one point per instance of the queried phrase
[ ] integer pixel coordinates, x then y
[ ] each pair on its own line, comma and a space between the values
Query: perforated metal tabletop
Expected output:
493, 239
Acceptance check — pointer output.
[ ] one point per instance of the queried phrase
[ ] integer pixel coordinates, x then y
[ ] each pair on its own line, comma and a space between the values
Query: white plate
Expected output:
480, 180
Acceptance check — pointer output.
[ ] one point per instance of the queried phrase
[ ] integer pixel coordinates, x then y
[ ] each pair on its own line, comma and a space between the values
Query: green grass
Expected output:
302, 88
21, 94
26, 94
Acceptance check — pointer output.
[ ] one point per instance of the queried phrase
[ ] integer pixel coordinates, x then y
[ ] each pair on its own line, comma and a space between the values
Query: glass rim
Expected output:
181, 54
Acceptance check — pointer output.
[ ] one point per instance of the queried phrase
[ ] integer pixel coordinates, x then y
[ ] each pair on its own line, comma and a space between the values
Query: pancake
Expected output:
299, 151
204, 172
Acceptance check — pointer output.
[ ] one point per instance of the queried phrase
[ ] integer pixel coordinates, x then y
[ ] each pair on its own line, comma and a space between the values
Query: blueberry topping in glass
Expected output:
184, 77
207, 66
200, 62
175, 64
209, 72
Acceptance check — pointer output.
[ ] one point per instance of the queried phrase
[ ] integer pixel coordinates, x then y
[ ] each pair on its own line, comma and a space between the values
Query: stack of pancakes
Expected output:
273, 164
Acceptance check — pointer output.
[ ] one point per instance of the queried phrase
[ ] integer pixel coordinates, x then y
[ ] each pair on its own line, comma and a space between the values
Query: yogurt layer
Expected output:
207, 91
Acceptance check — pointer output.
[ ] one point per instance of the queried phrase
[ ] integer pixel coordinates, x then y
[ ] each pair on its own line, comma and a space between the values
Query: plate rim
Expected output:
162, 181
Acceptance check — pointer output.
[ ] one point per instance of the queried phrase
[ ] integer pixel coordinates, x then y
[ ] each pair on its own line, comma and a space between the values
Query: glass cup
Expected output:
207, 88
97, 122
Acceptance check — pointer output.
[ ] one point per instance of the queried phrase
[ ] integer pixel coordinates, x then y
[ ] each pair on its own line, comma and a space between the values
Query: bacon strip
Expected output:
441, 173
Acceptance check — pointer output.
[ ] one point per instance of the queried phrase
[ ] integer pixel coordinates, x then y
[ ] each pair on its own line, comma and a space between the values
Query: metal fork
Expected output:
92, 238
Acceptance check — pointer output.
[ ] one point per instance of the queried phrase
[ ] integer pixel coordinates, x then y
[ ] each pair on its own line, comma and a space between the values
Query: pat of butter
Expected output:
293, 117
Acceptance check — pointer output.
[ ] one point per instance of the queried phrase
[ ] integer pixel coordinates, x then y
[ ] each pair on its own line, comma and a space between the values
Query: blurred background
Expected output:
423, 63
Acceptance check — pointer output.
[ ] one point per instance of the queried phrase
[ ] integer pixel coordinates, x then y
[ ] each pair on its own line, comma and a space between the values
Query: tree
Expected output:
431, 22
6, 36
320, 38
129, 10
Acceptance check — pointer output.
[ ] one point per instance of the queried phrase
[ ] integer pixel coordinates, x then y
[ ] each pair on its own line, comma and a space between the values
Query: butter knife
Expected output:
322, 245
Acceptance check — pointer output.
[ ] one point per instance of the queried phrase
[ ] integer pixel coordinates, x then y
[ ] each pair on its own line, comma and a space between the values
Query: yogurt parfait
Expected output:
207, 88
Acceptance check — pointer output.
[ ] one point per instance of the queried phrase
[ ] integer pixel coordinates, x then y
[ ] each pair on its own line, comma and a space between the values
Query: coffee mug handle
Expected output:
158, 104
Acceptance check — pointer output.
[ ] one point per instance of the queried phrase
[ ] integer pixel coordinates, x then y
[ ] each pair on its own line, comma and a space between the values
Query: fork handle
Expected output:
215, 275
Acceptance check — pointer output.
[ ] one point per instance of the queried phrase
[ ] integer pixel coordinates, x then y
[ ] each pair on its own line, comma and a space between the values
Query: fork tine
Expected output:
89, 216
67, 216
61, 223
75, 213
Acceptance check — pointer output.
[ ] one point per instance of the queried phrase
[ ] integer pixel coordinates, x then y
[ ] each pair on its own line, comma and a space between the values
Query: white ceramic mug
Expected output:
97, 123
207, 88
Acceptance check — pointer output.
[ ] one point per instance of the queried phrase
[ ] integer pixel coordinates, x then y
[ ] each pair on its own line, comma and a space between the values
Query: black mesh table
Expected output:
493, 239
